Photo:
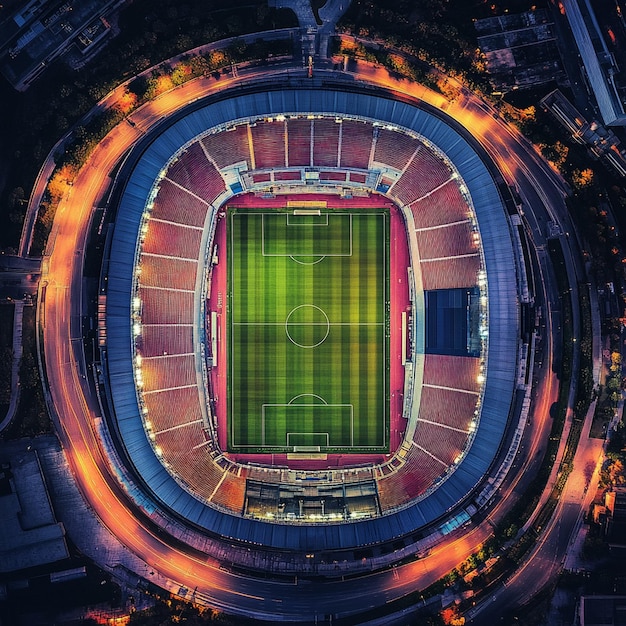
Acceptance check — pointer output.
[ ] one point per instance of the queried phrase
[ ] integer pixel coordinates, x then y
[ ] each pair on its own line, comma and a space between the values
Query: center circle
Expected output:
307, 326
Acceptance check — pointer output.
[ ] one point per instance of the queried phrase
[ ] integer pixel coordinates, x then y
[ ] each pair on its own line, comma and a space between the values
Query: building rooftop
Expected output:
603, 611
29, 532
38, 33
598, 61
520, 49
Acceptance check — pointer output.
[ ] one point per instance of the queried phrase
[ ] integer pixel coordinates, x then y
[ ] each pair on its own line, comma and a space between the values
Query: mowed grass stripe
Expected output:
348, 368
369, 277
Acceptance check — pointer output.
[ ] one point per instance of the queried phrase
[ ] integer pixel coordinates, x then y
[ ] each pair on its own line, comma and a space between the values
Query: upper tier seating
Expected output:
356, 144
175, 204
268, 143
193, 171
452, 240
299, 142
394, 149
422, 175
450, 273
443, 206
229, 147
326, 143
166, 239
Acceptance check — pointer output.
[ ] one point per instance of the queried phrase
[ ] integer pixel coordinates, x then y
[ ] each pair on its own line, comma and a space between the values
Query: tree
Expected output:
616, 361
138, 86
582, 178
451, 616
16, 203
60, 182
616, 472
181, 73
6, 369
613, 384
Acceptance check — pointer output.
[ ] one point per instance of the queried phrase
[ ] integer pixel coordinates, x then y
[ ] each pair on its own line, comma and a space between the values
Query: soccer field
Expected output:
308, 330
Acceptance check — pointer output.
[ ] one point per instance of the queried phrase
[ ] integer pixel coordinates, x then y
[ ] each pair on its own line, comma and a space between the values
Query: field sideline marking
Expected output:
385, 303
386, 375
230, 300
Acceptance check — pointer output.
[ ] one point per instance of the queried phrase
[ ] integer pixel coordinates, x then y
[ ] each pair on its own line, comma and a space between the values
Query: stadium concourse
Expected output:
164, 335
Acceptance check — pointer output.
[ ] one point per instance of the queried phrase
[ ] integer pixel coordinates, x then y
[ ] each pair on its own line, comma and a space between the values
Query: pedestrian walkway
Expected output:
17, 359
314, 36
302, 9
81, 524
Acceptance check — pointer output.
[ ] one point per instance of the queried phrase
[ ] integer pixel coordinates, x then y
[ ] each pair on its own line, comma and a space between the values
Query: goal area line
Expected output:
307, 218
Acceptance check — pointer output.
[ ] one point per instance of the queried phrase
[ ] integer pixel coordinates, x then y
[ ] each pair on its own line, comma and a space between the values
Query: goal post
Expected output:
315, 212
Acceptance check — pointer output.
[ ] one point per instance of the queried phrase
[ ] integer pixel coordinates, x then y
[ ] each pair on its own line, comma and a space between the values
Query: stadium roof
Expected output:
503, 316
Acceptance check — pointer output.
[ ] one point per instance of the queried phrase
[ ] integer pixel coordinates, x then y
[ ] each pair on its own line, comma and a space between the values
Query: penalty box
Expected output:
307, 425
306, 234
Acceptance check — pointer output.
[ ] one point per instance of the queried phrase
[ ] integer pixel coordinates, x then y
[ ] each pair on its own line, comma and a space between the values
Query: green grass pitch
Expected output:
308, 331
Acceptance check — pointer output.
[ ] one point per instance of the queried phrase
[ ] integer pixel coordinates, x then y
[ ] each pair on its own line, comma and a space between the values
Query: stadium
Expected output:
309, 322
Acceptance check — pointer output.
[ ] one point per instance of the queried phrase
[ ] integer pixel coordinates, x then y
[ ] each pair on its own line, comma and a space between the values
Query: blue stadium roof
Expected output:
503, 319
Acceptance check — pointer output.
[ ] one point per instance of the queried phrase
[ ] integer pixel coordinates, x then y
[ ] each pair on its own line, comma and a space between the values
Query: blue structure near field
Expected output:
452, 322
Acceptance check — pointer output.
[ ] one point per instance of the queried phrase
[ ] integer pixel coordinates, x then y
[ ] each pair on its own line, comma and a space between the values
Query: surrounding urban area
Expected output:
312, 312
